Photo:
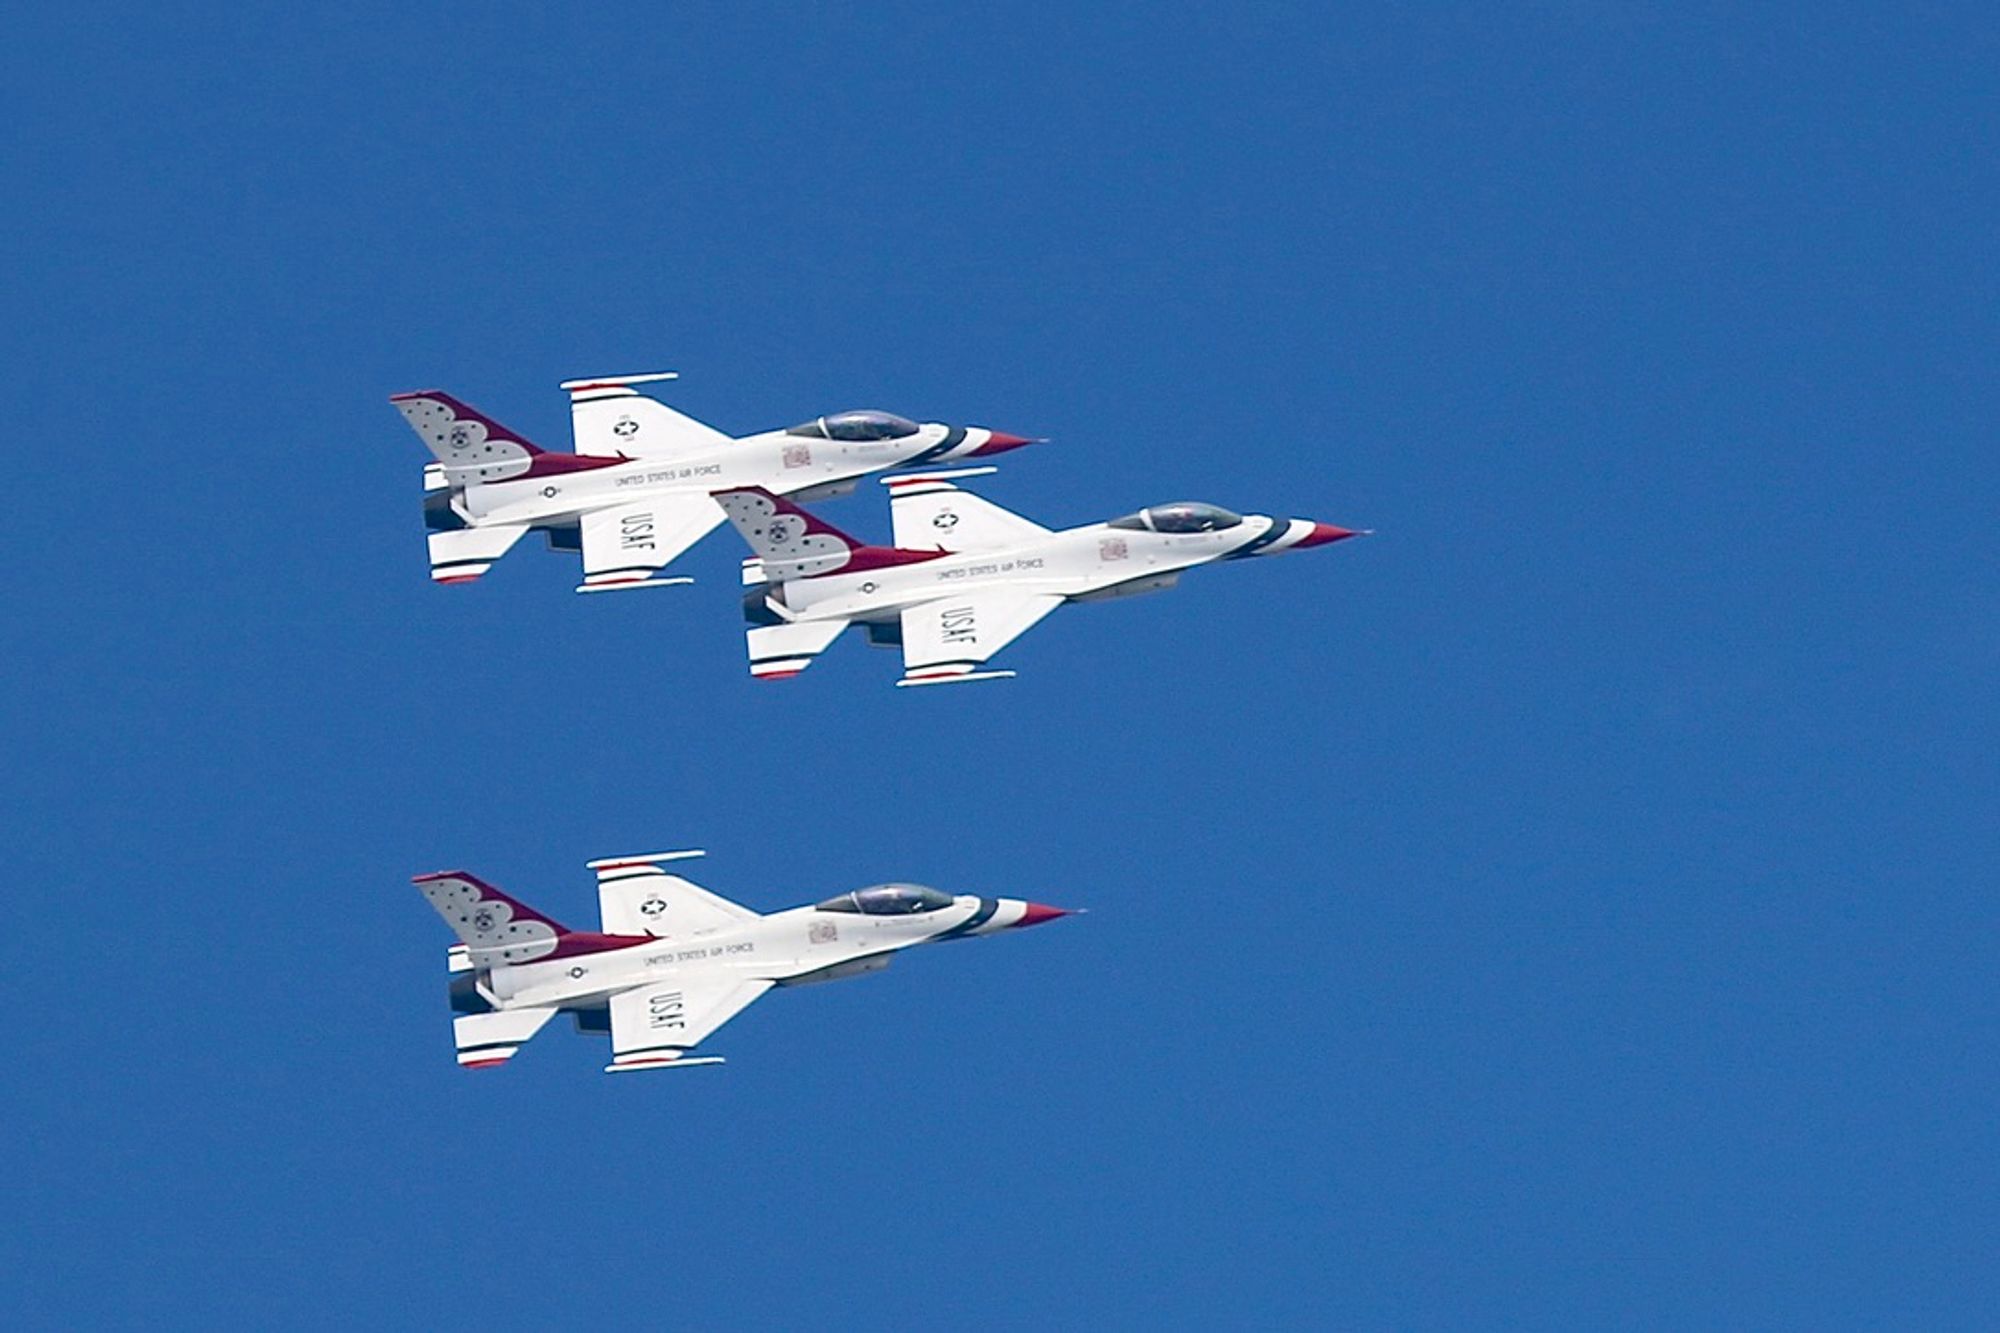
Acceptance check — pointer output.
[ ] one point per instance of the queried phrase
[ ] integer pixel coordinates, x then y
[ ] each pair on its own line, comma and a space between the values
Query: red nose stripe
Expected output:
1323, 533
1036, 913
999, 441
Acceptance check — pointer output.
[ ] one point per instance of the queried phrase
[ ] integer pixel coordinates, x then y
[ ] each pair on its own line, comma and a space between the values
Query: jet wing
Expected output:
950, 638
931, 514
653, 1027
625, 545
636, 897
611, 420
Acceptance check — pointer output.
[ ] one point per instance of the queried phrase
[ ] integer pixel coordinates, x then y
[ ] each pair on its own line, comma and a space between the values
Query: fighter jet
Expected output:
672, 962
965, 577
635, 494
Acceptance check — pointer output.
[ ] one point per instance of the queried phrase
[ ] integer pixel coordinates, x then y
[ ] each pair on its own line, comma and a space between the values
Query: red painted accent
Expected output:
522, 912
546, 465
880, 557
466, 412
1322, 534
775, 675
1037, 913
484, 1064
574, 942
860, 555
458, 578
999, 442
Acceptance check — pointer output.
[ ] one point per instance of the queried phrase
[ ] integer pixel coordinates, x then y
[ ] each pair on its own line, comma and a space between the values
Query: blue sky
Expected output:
1571, 906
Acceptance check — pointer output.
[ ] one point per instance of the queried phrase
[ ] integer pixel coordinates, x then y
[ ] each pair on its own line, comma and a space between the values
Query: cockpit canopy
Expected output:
856, 427
1180, 516
889, 900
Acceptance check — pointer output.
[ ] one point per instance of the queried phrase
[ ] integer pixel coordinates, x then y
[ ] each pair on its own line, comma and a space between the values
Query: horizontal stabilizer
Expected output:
461, 555
781, 651
484, 1040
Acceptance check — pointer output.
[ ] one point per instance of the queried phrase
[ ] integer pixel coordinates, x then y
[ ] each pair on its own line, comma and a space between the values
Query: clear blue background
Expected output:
1572, 906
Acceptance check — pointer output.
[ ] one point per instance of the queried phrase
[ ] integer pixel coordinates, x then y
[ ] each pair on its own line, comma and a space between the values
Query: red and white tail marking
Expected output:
793, 543
471, 445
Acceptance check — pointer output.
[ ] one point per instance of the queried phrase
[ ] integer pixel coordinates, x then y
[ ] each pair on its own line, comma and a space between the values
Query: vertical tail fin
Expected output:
471, 445
796, 544
495, 928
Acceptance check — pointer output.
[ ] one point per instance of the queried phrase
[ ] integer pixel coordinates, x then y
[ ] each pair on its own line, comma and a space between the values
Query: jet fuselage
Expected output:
777, 460
790, 947
1096, 560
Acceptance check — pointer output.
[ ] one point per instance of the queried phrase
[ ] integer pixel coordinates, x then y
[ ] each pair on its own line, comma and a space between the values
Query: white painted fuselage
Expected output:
779, 461
1084, 563
794, 947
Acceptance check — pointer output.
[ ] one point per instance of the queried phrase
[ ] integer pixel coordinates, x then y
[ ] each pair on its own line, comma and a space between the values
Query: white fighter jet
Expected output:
965, 577
635, 494
672, 962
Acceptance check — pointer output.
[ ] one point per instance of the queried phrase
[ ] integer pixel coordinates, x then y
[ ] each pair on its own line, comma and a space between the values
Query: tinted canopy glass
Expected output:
857, 426
889, 900
1180, 516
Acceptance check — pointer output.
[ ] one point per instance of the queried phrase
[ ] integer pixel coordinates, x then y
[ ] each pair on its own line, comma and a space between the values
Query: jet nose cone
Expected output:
1036, 913
999, 442
1323, 533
